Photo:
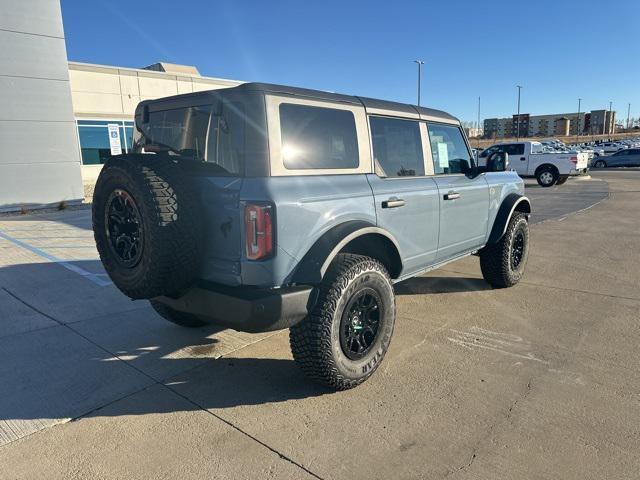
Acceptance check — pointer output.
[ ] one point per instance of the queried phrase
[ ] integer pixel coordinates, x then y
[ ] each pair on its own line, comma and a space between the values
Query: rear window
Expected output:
318, 138
180, 131
221, 136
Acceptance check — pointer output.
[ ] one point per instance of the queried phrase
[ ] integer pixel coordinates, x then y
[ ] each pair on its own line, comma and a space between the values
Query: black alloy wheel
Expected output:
123, 225
360, 322
517, 249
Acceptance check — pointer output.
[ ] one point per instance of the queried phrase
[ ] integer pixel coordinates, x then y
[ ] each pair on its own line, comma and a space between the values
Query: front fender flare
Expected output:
510, 204
316, 261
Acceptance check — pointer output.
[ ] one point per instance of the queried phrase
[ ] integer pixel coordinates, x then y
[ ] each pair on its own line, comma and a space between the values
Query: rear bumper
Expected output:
244, 309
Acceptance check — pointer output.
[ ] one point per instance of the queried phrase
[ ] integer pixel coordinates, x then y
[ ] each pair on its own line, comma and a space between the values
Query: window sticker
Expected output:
443, 155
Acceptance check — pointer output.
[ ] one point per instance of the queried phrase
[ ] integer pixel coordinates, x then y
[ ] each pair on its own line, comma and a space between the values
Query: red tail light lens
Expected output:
574, 159
258, 227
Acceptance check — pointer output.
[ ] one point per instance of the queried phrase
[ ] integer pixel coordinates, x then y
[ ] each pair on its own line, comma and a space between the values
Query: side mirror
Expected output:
497, 162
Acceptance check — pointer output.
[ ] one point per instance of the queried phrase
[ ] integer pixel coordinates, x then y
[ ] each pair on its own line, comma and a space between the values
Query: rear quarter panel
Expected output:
306, 208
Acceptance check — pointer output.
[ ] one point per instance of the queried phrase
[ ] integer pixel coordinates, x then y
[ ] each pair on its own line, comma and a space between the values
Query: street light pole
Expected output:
628, 113
578, 121
518, 118
478, 126
420, 63
610, 127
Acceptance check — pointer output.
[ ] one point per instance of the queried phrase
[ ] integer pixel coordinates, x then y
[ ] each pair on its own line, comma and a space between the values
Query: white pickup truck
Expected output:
529, 160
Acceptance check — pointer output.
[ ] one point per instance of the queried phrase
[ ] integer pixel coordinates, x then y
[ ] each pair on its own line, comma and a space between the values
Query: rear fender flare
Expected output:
316, 261
512, 203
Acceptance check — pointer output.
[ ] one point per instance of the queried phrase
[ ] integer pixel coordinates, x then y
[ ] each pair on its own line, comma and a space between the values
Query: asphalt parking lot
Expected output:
537, 381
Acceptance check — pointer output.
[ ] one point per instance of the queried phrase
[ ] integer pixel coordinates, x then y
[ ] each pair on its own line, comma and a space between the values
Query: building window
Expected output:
94, 139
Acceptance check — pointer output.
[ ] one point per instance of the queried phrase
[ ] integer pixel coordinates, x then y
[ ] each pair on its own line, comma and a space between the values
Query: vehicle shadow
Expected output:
69, 347
440, 284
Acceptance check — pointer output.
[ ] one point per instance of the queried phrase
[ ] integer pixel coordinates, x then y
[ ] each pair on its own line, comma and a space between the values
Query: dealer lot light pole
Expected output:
419, 63
519, 87
578, 121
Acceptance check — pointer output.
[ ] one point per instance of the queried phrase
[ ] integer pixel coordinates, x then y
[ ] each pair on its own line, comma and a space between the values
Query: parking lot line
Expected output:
92, 277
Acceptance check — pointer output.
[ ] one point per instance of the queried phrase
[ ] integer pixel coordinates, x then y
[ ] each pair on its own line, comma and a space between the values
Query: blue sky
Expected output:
558, 50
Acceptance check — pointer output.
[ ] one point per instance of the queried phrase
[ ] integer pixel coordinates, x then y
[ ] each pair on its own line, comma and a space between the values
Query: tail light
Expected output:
574, 160
258, 227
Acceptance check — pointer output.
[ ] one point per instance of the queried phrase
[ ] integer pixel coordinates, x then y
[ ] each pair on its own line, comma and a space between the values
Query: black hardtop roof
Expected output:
338, 97
369, 103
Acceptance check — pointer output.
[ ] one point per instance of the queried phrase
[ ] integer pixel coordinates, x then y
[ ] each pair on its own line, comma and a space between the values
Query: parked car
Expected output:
266, 207
530, 159
622, 158
611, 147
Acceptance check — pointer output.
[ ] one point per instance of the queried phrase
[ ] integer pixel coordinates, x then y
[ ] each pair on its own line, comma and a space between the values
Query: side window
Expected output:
448, 149
318, 137
514, 149
227, 137
397, 147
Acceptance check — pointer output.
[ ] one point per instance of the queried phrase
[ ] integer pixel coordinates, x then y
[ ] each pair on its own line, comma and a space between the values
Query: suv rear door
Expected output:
406, 200
463, 198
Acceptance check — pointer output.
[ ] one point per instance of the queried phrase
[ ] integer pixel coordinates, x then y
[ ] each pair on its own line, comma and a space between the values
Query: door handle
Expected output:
522, 159
393, 202
451, 196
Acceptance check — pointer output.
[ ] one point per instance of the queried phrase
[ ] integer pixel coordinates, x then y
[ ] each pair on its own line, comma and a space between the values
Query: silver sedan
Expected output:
622, 158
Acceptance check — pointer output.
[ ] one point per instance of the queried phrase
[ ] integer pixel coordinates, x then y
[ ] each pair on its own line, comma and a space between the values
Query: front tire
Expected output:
344, 339
503, 263
600, 164
547, 176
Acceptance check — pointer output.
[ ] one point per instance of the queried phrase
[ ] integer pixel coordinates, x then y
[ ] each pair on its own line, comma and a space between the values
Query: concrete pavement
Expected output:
536, 381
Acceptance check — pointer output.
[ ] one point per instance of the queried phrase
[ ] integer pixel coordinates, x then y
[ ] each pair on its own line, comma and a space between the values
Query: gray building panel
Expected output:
19, 51
37, 184
38, 142
38, 17
40, 158
35, 99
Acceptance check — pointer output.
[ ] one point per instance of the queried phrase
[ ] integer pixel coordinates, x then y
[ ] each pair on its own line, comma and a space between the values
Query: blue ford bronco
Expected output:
264, 207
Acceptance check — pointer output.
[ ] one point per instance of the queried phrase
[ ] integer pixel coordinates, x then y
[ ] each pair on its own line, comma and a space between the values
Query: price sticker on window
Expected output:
443, 155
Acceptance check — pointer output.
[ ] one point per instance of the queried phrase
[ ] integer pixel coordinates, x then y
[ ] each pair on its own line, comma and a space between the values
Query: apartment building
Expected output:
558, 124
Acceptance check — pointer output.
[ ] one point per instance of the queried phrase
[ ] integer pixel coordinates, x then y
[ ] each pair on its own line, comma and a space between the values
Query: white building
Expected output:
54, 114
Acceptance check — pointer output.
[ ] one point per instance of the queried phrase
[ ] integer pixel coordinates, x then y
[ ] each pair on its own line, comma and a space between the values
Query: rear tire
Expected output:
503, 263
547, 176
146, 225
179, 318
562, 180
345, 337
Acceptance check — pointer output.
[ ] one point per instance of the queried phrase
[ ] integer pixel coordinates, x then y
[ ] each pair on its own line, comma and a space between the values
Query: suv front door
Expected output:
406, 200
463, 198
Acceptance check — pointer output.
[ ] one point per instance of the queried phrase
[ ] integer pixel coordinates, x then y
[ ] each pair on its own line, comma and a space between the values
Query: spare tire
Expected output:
146, 225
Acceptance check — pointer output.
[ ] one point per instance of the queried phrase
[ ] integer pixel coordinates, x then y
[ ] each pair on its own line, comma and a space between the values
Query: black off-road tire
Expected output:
547, 176
316, 342
496, 260
179, 318
170, 225
562, 180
